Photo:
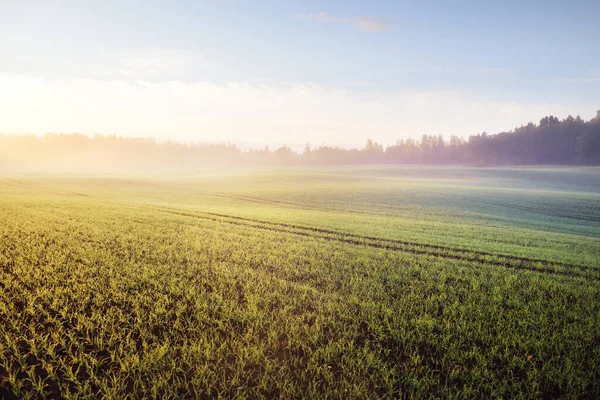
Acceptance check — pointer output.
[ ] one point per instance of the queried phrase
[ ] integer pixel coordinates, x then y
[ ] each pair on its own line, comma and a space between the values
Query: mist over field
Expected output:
275, 199
571, 141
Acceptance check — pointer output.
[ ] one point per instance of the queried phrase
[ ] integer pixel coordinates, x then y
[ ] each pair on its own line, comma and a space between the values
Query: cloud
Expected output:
372, 25
361, 23
258, 113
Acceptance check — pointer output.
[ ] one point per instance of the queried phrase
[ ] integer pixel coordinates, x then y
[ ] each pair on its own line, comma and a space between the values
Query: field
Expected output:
348, 282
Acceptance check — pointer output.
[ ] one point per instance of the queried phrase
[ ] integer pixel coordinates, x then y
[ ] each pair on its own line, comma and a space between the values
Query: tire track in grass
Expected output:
10, 183
391, 241
370, 241
298, 205
59, 192
250, 199
576, 216
230, 196
512, 262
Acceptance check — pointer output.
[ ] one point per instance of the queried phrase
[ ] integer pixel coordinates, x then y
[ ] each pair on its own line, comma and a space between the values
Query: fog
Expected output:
552, 141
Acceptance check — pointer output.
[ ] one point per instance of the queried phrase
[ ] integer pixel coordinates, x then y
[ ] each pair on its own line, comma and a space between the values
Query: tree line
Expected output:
571, 141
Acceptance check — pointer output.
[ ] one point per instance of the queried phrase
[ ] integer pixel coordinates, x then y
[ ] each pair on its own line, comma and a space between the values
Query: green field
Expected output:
347, 282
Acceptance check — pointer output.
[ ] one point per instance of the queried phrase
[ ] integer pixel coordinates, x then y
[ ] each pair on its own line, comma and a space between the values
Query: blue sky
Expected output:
295, 71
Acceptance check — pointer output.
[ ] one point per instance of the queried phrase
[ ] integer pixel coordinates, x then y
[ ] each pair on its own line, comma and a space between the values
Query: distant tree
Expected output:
307, 149
547, 121
553, 141
373, 146
588, 147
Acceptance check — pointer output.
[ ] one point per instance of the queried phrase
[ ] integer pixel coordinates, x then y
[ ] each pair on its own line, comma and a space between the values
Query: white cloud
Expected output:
361, 23
255, 113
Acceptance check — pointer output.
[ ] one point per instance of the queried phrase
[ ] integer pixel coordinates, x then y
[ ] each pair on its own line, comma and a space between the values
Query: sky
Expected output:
290, 72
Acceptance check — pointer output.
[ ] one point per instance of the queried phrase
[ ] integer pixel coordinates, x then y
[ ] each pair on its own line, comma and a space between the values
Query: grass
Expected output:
353, 282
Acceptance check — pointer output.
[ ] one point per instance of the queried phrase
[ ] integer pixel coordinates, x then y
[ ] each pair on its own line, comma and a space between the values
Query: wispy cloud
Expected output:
373, 24
365, 24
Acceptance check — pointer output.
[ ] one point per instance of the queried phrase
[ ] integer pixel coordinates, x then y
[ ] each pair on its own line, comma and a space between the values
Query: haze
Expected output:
288, 72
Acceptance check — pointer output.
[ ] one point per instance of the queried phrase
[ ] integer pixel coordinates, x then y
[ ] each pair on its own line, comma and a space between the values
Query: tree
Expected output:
307, 149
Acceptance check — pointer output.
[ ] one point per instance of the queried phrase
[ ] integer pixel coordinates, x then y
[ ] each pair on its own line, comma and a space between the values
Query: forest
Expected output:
571, 141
